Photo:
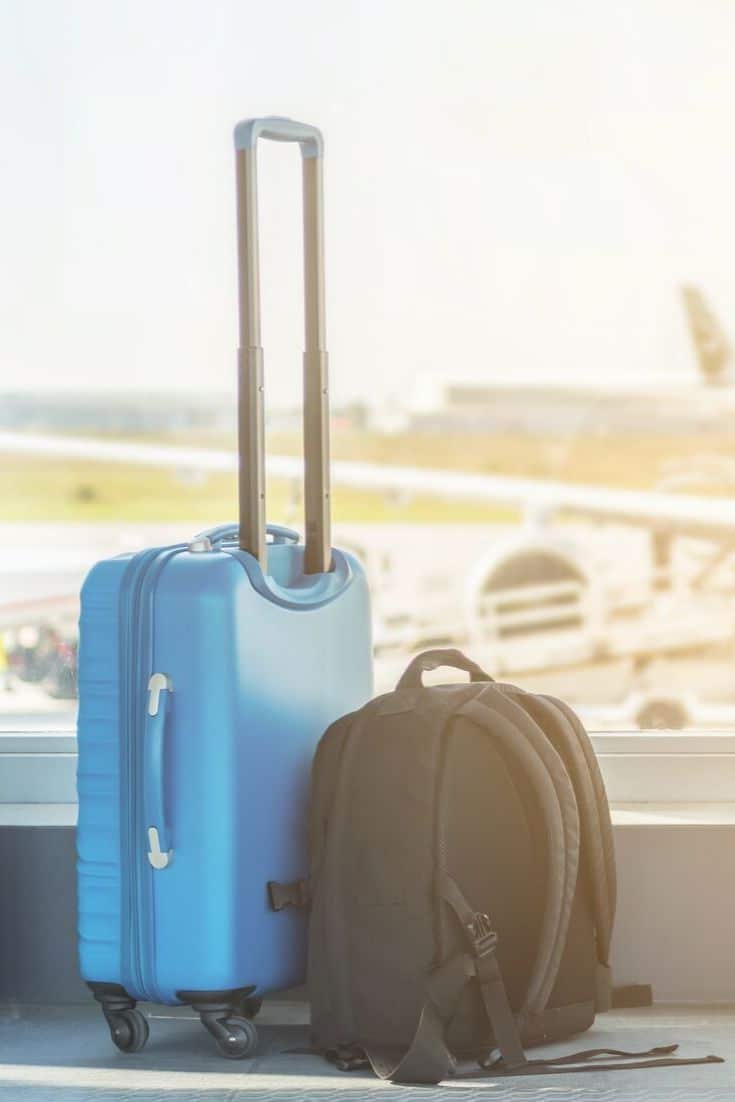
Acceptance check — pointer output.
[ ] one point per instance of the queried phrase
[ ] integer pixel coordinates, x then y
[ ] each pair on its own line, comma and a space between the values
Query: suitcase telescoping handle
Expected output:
318, 554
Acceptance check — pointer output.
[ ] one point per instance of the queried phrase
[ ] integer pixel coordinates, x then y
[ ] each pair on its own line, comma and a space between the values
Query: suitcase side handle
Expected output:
251, 438
158, 834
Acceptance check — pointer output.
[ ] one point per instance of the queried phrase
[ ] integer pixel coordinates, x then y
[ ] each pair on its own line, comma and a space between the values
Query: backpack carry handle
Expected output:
318, 553
432, 659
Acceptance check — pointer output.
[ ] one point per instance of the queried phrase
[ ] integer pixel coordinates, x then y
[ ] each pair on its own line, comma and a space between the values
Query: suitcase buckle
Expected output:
482, 937
295, 894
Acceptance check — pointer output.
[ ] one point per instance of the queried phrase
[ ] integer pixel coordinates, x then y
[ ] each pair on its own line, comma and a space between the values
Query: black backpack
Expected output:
462, 880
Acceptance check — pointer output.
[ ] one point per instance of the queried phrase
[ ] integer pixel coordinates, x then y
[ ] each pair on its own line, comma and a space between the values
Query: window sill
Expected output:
673, 814
38, 815
665, 767
642, 768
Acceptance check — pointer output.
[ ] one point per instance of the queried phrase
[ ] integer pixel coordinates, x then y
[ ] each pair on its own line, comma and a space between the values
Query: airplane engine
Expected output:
532, 604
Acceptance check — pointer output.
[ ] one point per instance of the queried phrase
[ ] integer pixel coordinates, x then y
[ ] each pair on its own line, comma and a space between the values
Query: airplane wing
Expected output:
676, 514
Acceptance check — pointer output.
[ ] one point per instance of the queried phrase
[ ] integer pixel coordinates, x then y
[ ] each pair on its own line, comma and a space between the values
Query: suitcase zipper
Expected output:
138, 947
129, 599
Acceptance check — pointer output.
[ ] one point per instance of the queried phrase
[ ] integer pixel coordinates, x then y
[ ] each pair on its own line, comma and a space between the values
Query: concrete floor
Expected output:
64, 1054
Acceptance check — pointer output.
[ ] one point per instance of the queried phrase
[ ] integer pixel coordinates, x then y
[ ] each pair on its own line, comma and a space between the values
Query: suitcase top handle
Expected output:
213, 538
318, 551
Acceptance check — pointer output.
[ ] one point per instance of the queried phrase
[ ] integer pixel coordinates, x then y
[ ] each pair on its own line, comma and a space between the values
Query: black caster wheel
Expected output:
128, 1029
249, 1006
237, 1039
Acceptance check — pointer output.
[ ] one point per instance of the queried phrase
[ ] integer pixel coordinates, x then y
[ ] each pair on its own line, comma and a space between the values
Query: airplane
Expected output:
540, 557
531, 402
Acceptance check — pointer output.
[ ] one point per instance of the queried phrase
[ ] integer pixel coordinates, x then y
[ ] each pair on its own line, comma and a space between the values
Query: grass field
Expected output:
41, 489
80, 492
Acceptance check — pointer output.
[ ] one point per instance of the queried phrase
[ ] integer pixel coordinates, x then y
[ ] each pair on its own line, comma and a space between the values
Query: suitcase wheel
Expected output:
128, 1029
236, 1037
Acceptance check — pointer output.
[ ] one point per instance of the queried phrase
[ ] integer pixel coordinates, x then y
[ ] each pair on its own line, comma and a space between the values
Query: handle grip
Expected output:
279, 129
158, 834
432, 659
251, 414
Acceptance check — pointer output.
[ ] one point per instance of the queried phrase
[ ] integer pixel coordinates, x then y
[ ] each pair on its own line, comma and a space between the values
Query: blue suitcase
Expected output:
207, 673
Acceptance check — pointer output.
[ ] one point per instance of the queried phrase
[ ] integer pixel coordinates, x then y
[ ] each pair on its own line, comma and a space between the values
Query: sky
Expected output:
513, 189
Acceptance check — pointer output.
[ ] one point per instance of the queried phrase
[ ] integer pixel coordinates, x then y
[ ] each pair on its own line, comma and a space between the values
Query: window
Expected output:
530, 331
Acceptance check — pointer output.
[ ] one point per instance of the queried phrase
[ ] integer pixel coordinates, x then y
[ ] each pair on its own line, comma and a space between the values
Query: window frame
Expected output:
637, 766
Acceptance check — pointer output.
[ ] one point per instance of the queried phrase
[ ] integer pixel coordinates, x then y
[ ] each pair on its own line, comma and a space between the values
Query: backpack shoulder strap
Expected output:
428, 1058
524, 738
596, 826
566, 733
603, 807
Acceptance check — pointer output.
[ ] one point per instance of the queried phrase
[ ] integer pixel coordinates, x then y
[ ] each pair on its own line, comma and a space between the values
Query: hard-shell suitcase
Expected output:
208, 672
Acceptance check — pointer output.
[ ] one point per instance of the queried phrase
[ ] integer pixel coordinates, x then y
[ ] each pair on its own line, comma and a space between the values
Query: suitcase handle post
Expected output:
318, 553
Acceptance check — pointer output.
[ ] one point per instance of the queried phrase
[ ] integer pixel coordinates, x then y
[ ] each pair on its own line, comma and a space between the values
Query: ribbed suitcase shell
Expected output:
260, 666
